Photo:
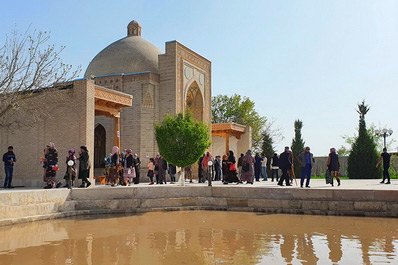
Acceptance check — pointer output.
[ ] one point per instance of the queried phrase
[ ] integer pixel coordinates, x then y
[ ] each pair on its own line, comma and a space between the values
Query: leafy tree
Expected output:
363, 156
267, 148
181, 140
27, 65
343, 151
371, 131
297, 146
239, 110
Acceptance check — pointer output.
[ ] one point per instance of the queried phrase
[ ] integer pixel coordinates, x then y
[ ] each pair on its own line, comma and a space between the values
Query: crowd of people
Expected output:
251, 168
123, 168
50, 166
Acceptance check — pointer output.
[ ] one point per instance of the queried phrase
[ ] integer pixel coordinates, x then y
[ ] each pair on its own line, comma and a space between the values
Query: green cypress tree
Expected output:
363, 156
297, 146
267, 148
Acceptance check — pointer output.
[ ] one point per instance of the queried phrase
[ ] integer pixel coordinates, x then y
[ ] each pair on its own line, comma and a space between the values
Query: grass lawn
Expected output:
322, 177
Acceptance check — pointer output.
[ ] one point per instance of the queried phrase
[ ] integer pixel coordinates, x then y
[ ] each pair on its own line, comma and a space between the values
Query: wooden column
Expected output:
116, 131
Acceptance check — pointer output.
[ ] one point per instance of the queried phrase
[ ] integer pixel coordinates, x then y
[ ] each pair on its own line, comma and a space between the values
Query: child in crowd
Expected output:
151, 167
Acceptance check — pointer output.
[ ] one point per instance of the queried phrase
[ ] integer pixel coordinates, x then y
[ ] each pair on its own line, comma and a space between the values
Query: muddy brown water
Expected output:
201, 237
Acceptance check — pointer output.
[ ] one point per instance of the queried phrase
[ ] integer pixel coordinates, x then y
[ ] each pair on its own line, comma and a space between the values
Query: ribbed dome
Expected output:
131, 54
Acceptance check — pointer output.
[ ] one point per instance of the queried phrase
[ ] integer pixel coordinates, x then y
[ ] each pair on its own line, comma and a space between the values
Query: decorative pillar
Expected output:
227, 144
116, 131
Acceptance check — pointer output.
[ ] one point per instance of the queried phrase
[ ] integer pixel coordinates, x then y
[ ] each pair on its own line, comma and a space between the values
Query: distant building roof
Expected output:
224, 129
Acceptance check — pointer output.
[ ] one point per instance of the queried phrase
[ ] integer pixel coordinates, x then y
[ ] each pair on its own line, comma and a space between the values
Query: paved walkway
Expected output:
361, 184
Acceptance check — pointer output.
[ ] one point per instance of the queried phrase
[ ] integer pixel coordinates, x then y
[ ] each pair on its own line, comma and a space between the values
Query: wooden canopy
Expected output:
109, 103
226, 130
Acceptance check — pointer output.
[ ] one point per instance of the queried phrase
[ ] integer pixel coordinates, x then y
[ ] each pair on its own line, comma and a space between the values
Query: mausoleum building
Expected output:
127, 87
161, 83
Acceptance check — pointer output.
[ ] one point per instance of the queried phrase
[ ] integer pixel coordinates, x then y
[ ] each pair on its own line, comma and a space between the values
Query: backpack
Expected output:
245, 167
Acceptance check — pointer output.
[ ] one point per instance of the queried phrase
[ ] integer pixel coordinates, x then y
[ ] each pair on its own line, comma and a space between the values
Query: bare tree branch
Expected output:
28, 64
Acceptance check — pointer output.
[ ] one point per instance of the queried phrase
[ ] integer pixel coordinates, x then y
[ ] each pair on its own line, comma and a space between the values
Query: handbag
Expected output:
232, 167
129, 173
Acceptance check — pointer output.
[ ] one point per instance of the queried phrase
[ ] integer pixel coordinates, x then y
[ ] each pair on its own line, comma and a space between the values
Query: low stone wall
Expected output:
381, 203
30, 205
321, 163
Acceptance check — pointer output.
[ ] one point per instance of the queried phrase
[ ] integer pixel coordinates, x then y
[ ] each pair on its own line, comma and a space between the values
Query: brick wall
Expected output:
68, 126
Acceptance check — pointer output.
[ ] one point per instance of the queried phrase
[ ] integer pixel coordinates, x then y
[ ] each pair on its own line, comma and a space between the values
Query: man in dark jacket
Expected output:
137, 166
385, 157
217, 168
306, 160
275, 167
172, 172
9, 160
240, 164
200, 169
162, 170
285, 163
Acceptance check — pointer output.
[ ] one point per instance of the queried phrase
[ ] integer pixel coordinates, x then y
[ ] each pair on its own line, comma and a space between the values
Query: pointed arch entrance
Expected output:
194, 101
99, 146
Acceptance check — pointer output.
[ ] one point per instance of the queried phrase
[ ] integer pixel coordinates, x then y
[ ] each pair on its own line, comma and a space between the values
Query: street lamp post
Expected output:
384, 133
70, 164
209, 176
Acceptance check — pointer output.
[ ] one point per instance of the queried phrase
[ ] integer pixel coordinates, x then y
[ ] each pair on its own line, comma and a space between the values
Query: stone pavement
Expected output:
346, 184
351, 184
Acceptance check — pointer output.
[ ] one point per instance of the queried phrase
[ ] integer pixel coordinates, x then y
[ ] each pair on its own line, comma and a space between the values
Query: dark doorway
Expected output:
99, 146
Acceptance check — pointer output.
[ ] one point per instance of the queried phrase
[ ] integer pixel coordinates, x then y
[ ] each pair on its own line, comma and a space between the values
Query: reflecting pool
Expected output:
201, 237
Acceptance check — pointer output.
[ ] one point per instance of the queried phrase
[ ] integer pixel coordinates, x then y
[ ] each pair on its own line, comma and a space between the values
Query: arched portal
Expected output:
99, 146
194, 101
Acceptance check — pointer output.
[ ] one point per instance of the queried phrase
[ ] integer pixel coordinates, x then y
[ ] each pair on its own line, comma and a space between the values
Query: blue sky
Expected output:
312, 60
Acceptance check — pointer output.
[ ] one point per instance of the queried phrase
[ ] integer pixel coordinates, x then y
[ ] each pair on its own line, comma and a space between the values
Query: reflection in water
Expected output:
201, 237
334, 244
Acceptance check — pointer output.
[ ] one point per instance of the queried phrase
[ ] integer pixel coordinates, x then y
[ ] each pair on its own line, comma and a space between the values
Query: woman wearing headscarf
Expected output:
51, 166
115, 162
122, 165
248, 168
205, 166
84, 167
334, 166
231, 169
200, 169
71, 172
156, 171
108, 163
129, 170
188, 173
224, 166
137, 166
162, 170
